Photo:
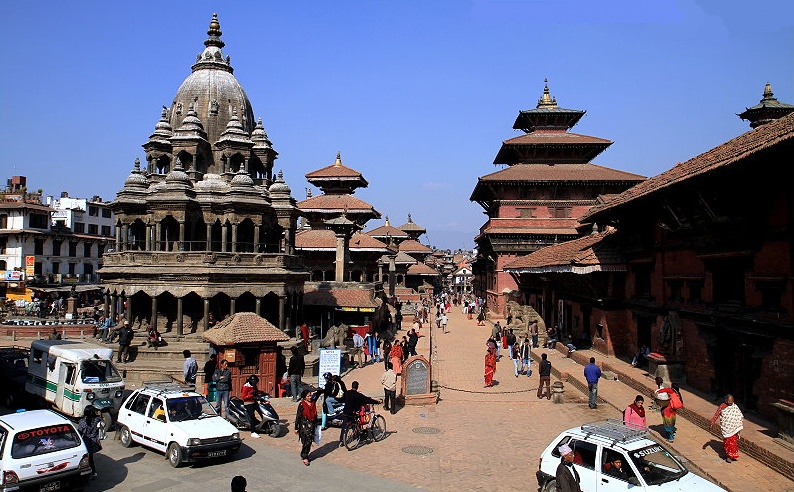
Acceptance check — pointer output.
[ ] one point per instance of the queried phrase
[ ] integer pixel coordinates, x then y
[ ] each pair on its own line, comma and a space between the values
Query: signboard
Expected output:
330, 361
30, 264
357, 310
13, 276
417, 377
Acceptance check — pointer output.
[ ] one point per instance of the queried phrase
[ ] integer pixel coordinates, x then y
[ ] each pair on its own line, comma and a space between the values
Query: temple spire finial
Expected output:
338, 161
214, 33
546, 101
768, 94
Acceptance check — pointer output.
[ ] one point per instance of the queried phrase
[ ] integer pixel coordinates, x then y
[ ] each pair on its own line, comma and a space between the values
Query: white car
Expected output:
646, 465
40, 450
178, 422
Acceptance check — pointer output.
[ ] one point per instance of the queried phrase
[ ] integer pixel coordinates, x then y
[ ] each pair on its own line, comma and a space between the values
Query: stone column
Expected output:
224, 233
128, 311
181, 246
209, 237
232, 305
392, 275
179, 316
154, 313
206, 314
234, 238
158, 232
118, 239
149, 233
281, 319
256, 238
258, 308
113, 299
380, 272
341, 244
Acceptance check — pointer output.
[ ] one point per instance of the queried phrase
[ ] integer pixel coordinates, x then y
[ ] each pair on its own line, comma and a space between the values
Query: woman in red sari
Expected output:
490, 367
730, 425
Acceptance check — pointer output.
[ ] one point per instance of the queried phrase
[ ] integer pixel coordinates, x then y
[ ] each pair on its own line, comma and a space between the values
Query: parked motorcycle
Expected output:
269, 423
334, 417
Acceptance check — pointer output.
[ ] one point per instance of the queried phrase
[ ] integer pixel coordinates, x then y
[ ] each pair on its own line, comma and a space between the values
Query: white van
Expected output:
72, 375
40, 450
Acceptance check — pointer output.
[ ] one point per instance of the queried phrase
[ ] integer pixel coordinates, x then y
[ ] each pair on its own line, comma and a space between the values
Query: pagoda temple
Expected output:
536, 201
769, 109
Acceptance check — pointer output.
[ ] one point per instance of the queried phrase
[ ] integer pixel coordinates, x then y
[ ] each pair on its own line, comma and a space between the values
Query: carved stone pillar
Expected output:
256, 238
158, 232
224, 233
125, 230
281, 320
206, 314
181, 246
179, 316
233, 306
149, 232
234, 237
118, 239
114, 299
154, 312
258, 308
209, 237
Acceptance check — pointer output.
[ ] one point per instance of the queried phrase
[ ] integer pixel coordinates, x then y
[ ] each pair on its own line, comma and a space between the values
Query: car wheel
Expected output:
551, 486
174, 454
126, 436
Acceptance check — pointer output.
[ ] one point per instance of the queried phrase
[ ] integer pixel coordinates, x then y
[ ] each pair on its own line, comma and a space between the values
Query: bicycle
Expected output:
369, 425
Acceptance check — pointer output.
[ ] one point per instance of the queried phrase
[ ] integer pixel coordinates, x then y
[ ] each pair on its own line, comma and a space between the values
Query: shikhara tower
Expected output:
203, 227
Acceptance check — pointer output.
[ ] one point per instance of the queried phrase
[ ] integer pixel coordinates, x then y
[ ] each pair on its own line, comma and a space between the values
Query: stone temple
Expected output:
204, 229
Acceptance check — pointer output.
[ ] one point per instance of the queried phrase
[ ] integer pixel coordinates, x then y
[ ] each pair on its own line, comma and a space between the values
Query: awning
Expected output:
66, 288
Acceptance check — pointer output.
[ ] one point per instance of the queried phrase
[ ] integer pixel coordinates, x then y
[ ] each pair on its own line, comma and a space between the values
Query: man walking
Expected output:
413, 339
533, 332
511, 343
444, 321
189, 368
125, 340
295, 371
358, 348
496, 331
389, 382
526, 360
592, 373
223, 384
209, 372
545, 377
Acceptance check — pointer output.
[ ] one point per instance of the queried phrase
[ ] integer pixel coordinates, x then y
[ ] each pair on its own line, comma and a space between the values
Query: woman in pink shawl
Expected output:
634, 414
730, 425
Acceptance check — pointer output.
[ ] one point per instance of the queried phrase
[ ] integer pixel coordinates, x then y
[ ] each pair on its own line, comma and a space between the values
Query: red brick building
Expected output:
699, 268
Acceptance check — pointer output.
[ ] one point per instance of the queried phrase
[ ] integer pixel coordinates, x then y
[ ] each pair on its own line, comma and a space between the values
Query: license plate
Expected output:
102, 403
50, 487
216, 454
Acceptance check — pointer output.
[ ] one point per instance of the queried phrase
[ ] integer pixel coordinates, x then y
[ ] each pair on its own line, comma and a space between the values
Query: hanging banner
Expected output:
330, 361
30, 264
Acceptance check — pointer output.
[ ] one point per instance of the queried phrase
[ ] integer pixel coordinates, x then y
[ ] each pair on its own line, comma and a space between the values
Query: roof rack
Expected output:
616, 430
168, 386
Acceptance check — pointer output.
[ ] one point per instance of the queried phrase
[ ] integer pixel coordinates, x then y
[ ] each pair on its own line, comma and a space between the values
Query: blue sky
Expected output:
417, 95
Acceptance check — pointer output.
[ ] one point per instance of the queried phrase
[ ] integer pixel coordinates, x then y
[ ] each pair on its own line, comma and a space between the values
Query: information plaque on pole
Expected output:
330, 361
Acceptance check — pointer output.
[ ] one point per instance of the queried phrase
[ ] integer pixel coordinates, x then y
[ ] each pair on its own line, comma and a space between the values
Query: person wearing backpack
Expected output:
670, 412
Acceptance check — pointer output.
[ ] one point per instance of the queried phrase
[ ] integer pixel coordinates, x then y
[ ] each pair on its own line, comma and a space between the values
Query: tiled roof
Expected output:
325, 239
734, 150
336, 203
560, 172
531, 230
412, 246
387, 230
244, 328
401, 259
421, 269
555, 138
335, 171
358, 298
585, 252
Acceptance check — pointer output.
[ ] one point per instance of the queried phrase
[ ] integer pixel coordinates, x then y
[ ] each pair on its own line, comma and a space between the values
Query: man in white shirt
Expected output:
444, 321
358, 348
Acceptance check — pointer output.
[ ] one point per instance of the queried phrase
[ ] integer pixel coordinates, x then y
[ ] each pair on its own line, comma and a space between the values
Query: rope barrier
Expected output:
486, 392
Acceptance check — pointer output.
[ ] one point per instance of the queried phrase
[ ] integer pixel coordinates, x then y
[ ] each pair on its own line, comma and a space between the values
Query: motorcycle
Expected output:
334, 417
269, 423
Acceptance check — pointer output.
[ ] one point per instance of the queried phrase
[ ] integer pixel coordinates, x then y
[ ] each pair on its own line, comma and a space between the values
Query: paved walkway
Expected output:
490, 439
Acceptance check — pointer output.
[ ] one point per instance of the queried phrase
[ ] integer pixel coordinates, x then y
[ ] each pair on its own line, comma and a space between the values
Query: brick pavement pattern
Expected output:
486, 436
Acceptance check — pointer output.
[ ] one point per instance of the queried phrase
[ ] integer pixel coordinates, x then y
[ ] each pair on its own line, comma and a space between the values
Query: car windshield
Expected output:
189, 408
44, 440
656, 465
99, 371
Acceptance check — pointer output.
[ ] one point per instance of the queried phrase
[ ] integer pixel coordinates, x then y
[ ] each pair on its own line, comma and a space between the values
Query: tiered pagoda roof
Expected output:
337, 178
767, 110
412, 229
